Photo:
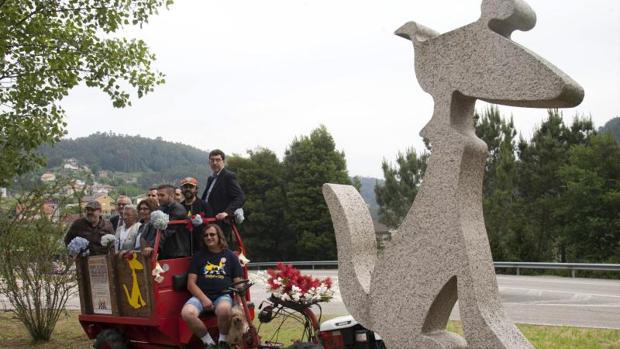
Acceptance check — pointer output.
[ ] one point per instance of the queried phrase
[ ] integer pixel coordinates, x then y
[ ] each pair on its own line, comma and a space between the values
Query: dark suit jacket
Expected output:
176, 239
226, 195
114, 220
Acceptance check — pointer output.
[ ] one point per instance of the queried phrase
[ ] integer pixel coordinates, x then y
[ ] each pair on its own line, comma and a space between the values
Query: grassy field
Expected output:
69, 335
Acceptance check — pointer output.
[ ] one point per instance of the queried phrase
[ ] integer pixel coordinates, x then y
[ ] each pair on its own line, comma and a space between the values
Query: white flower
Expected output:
159, 219
107, 239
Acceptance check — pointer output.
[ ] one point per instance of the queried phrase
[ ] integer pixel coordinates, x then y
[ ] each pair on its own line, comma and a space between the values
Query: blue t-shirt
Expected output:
215, 271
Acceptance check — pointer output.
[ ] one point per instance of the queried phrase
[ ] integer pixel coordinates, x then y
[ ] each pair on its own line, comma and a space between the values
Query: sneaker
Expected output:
224, 345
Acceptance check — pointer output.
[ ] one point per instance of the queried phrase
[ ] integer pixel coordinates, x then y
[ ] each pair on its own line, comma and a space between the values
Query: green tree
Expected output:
401, 185
49, 47
36, 275
499, 190
612, 126
261, 176
540, 185
309, 162
590, 205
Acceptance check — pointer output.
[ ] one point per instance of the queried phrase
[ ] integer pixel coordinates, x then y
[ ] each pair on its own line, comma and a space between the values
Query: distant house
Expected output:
71, 164
101, 188
48, 177
49, 208
78, 184
104, 199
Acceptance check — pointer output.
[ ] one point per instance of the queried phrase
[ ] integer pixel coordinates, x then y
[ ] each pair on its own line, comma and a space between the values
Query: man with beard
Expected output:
152, 194
176, 239
194, 207
92, 228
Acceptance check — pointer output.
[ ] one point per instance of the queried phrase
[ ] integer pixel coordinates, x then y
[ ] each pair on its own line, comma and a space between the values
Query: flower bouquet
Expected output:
289, 287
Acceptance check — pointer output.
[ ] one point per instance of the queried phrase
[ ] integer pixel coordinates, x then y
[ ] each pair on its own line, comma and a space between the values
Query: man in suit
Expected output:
222, 194
121, 202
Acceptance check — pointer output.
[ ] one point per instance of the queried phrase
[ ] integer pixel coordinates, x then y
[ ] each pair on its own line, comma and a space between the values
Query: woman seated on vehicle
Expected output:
147, 231
213, 269
127, 233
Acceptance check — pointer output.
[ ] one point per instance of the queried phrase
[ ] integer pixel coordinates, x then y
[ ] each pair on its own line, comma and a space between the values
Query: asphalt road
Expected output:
543, 300
527, 299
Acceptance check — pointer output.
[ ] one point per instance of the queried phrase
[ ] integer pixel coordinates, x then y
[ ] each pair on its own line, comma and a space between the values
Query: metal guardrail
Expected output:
573, 267
311, 264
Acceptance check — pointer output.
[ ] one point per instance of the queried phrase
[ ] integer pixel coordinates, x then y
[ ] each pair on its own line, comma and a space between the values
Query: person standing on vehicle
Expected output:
222, 194
152, 194
196, 208
91, 227
147, 232
121, 202
127, 234
178, 195
213, 269
176, 239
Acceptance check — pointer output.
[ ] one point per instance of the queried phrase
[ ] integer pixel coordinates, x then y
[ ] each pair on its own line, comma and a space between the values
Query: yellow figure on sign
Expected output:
135, 299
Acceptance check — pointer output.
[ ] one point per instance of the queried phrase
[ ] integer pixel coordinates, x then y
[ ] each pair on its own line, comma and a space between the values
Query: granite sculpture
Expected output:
440, 253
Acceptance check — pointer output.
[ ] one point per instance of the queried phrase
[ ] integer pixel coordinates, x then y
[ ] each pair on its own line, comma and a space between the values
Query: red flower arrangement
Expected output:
286, 283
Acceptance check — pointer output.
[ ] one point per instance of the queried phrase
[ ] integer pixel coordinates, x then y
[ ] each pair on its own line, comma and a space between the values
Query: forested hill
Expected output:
108, 151
157, 161
612, 126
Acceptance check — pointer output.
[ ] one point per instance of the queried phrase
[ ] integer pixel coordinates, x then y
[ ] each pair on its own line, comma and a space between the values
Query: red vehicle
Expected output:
126, 308
157, 322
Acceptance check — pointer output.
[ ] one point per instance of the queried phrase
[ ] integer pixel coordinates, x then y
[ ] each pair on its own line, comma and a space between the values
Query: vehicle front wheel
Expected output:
110, 339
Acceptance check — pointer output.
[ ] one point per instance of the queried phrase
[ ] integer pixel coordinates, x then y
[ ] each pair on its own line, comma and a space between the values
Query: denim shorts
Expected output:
198, 304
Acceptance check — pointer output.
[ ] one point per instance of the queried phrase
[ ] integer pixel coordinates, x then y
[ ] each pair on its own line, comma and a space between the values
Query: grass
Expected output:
69, 334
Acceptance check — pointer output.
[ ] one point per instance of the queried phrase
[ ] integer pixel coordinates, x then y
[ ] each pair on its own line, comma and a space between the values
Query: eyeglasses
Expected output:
121, 204
188, 186
211, 235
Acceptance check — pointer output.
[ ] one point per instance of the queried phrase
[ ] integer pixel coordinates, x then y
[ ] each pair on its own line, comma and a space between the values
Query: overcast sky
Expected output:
244, 74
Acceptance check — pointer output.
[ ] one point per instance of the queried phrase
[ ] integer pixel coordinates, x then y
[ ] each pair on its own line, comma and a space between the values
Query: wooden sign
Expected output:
81, 267
102, 295
134, 284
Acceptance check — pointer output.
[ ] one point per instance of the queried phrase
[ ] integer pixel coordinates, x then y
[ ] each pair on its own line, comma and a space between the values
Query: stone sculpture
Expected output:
441, 253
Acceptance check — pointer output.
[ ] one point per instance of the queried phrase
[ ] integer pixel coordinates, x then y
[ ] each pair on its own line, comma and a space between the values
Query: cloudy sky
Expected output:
244, 74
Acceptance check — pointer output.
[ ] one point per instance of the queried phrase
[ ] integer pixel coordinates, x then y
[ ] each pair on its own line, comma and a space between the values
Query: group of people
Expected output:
214, 267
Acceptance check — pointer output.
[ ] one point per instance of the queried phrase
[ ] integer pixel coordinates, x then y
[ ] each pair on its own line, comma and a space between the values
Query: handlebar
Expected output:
241, 290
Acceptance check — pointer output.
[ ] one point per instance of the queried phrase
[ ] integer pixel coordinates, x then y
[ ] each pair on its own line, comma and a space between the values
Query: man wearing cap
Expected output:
196, 208
91, 227
193, 206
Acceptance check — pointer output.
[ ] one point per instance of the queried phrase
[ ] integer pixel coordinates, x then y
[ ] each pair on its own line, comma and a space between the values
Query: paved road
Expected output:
541, 300
527, 299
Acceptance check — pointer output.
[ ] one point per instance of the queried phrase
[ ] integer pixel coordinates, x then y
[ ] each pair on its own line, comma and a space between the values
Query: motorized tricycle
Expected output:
128, 300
